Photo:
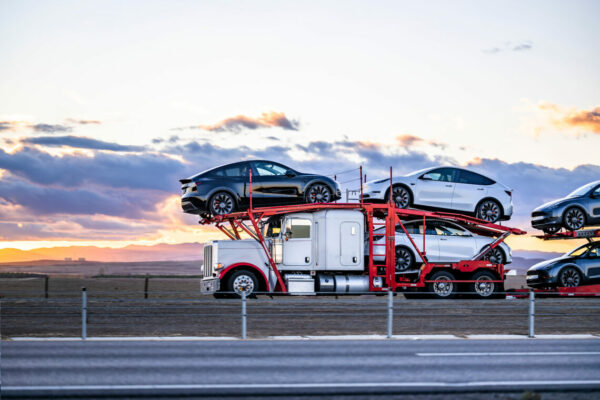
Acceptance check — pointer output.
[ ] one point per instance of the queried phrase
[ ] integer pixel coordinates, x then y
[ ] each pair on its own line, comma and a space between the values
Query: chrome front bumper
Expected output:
209, 285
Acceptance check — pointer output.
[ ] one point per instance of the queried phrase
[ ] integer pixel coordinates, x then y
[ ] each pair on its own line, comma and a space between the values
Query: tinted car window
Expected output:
473, 179
597, 192
595, 252
269, 169
442, 175
236, 170
412, 229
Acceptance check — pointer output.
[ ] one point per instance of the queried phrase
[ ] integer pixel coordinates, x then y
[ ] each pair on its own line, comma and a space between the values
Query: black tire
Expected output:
404, 259
573, 218
401, 196
489, 210
496, 256
318, 193
484, 289
442, 290
221, 203
569, 277
242, 279
551, 230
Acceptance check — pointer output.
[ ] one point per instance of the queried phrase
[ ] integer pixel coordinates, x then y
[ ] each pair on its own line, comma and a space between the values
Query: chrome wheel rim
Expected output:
403, 259
495, 256
570, 278
574, 219
483, 286
243, 283
489, 211
222, 204
319, 194
401, 197
443, 289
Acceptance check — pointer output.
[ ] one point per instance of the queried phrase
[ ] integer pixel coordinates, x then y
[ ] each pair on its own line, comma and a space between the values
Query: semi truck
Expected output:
314, 249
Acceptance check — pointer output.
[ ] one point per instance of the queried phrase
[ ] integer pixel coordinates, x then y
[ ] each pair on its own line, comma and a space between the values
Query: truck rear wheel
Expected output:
484, 288
444, 288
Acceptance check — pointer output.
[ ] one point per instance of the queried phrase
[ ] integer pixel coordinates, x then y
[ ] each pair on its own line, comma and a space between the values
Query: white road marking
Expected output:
340, 385
513, 353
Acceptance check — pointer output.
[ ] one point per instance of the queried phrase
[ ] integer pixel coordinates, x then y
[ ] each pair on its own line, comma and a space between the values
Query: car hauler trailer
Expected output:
320, 249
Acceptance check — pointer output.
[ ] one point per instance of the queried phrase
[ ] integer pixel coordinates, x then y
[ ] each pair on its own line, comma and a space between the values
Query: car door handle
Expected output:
480, 189
443, 239
448, 185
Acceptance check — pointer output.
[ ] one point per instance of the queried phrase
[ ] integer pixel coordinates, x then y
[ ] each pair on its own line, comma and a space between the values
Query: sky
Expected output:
105, 105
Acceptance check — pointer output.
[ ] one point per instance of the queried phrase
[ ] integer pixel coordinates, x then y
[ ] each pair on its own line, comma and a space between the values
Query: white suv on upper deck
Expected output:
446, 188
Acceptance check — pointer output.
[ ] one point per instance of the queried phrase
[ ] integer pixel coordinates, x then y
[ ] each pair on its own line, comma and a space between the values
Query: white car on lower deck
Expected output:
445, 242
446, 188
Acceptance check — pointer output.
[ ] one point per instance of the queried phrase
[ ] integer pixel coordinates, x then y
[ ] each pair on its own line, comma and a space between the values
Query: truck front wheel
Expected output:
443, 288
242, 281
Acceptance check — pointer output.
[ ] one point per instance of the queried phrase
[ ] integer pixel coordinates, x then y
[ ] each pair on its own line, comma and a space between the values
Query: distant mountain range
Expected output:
132, 253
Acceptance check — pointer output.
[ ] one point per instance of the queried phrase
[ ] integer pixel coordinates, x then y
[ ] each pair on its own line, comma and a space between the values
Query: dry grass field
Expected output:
174, 307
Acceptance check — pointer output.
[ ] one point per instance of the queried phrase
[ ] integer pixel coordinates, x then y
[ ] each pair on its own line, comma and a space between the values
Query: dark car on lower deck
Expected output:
578, 267
226, 189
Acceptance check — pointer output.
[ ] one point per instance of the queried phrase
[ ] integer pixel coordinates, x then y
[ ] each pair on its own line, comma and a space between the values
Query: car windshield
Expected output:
582, 190
579, 251
419, 172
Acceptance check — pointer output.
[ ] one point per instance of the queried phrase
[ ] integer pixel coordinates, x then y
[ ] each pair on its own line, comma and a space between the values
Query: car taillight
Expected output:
508, 192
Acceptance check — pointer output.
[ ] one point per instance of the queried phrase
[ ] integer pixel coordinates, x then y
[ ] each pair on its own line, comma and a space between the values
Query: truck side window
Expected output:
297, 228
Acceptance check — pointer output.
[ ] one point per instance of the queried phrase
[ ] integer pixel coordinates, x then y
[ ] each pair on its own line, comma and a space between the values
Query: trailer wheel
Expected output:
444, 289
242, 281
483, 288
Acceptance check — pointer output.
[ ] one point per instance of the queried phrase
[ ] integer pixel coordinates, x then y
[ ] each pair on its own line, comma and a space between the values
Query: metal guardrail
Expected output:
119, 314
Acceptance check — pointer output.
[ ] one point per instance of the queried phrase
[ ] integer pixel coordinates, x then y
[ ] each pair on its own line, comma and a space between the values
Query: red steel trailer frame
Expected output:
248, 222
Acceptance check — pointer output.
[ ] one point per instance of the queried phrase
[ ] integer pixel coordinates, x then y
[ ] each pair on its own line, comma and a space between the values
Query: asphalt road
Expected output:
215, 369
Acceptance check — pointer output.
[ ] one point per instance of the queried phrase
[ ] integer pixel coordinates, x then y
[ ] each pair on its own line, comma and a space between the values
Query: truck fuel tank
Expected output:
343, 283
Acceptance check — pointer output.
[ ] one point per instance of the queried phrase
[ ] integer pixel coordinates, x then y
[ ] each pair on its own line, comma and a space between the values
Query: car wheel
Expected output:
483, 287
404, 259
221, 203
569, 277
495, 256
242, 281
489, 210
573, 218
318, 193
444, 288
551, 230
401, 196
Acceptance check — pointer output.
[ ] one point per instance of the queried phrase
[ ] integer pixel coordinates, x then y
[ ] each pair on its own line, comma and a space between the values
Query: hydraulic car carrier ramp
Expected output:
329, 248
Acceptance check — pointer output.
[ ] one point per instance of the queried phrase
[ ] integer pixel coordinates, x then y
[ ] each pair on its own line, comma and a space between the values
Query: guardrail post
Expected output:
46, 286
83, 314
244, 316
390, 319
146, 287
531, 313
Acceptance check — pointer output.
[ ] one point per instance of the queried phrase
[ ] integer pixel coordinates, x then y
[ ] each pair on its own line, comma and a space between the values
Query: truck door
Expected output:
350, 243
297, 244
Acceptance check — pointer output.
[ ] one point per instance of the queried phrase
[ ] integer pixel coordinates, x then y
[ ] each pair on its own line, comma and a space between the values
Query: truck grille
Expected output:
207, 261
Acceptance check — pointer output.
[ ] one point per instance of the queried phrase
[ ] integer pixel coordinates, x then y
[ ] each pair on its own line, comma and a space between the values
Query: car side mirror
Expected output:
290, 174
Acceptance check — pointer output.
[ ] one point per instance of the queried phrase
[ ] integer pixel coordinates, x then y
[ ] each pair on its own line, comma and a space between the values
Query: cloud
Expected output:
112, 170
10, 125
80, 142
508, 46
50, 128
266, 120
84, 121
411, 140
586, 120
